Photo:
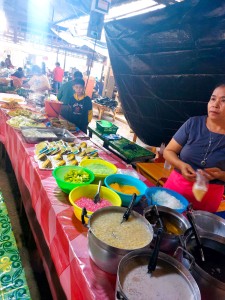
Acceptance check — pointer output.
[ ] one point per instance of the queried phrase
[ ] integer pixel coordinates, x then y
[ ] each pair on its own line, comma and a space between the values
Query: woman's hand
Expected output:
214, 173
188, 172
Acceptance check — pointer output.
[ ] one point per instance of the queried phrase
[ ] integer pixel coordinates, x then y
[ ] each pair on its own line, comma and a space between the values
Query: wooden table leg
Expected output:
134, 138
101, 111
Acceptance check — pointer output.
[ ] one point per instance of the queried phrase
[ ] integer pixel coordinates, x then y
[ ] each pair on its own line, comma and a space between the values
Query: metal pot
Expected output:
170, 241
105, 256
209, 223
210, 275
170, 280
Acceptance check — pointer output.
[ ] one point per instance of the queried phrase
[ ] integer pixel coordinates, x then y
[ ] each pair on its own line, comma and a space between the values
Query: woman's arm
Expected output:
171, 155
214, 173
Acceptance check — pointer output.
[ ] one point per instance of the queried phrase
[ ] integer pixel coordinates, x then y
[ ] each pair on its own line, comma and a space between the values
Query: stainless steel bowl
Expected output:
105, 256
168, 272
213, 248
209, 223
170, 241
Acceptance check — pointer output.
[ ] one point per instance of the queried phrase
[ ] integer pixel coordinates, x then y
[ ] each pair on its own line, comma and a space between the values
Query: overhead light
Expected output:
132, 9
3, 23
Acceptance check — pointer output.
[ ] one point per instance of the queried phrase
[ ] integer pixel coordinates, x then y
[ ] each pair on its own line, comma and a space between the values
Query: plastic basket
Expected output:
106, 127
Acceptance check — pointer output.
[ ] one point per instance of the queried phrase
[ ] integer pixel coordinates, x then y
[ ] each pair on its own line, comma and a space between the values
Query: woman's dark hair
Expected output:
77, 75
222, 84
79, 81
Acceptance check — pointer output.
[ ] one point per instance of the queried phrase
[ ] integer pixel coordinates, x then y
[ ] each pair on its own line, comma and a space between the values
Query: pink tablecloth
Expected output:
65, 236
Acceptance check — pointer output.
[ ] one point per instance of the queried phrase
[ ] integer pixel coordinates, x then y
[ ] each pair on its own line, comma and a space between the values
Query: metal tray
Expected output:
33, 135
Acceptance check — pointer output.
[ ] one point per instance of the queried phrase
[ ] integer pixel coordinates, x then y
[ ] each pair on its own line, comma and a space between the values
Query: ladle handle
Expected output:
153, 260
128, 211
195, 230
155, 210
99, 186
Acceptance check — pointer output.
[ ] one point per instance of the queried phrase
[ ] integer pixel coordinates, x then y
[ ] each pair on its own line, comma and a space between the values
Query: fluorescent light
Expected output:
3, 23
130, 8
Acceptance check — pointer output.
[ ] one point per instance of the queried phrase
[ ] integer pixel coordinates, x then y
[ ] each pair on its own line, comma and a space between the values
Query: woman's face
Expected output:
216, 104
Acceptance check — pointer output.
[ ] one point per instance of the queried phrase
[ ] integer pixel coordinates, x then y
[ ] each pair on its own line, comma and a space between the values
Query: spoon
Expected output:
153, 260
128, 210
97, 195
195, 231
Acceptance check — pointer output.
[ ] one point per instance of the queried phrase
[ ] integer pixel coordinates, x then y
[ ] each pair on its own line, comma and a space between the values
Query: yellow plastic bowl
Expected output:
99, 162
89, 191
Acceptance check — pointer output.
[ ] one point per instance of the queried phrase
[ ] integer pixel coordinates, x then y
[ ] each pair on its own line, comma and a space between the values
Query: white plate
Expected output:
4, 97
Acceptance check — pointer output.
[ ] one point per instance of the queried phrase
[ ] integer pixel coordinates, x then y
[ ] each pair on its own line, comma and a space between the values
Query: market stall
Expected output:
64, 243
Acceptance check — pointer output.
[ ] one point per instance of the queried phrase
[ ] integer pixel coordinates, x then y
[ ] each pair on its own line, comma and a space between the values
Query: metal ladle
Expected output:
97, 195
153, 260
196, 234
128, 210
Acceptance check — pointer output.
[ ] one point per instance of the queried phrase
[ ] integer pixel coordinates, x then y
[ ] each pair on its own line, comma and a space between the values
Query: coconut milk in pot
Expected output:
170, 280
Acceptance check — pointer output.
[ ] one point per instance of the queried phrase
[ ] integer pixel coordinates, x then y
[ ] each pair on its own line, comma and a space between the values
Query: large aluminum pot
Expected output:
105, 256
175, 225
209, 223
210, 274
171, 280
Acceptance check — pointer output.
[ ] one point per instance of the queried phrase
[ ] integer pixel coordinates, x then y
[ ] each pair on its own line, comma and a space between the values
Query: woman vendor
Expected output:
200, 144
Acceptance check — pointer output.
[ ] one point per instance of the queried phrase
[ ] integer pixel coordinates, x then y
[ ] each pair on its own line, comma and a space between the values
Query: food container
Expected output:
106, 127
59, 173
178, 202
105, 224
101, 168
89, 192
174, 225
210, 274
53, 108
34, 135
123, 179
209, 223
171, 280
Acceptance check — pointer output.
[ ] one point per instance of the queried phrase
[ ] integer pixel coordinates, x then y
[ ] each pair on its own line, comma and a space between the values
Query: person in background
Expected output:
200, 144
57, 74
38, 83
2, 65
8, 62
18, 78
19, 73
66, 91
79, 108
43, 68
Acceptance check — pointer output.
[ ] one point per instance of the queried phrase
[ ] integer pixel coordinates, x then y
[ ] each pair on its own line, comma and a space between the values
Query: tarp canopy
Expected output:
166, 64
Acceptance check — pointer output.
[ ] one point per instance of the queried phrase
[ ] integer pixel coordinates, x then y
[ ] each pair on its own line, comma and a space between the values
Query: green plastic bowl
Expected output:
59, 173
